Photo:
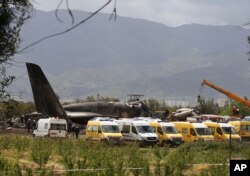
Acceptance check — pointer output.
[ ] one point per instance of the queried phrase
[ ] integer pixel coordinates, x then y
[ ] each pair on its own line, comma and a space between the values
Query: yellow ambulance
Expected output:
192, 132
221, 131
242, 128
103, 130
167, 133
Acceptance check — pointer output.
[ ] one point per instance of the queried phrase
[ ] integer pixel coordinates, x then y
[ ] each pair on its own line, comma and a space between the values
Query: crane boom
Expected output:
226, 92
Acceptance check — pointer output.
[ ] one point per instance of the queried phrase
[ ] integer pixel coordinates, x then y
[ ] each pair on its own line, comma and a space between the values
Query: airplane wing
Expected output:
81, 117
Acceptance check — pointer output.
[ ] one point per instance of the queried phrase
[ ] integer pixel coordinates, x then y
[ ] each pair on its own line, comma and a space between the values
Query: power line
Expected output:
69, 29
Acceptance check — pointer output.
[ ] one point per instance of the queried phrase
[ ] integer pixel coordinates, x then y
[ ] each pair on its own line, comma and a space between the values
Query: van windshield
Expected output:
226, 130
110, 129
169, 130
203, 131
56, 126
144, 129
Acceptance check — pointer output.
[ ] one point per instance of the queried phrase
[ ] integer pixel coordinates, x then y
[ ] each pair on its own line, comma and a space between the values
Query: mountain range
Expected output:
132, 56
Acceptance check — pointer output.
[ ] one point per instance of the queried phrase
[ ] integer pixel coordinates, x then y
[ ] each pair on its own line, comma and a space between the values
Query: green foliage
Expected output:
12, 108
97, 98
216, 170
101, 98
208, 106
178, 160
102, 160
160, 154
158, 109
153, 104
9, 167
40, 151
12, 16
227, 109
5, 142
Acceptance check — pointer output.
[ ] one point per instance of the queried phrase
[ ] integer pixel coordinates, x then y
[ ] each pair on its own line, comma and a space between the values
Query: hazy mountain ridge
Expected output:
135, 56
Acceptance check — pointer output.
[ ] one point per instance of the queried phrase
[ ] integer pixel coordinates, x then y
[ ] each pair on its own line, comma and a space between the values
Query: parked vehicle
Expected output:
137, 131
211, 117
242, 128
247, 118
221, 131
103, 130
51, 127
167, 133
192, 132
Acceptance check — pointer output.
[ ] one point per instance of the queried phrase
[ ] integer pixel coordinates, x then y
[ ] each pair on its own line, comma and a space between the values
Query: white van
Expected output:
51, 127
137, 131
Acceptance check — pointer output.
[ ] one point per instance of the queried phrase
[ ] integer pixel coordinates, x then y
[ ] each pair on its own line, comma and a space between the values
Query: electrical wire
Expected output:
67, 30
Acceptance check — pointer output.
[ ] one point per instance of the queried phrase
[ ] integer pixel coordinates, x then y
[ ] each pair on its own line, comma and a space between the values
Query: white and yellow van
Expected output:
221, 131
242, 128
192, 132
167, 133
103, 130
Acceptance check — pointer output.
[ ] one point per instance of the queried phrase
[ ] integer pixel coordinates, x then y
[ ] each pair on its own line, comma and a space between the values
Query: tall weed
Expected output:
40, 151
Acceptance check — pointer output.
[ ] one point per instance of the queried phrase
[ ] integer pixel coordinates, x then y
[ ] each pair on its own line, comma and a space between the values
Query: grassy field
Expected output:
24, 155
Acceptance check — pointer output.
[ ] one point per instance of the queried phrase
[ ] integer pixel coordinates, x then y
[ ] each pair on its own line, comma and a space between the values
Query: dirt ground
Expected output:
13, 130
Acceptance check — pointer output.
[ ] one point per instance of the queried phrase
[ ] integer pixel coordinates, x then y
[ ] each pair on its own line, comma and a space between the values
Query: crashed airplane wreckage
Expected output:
48, 103
182, 114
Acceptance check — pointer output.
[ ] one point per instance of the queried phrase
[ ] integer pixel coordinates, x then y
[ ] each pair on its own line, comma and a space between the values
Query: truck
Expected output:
51, 127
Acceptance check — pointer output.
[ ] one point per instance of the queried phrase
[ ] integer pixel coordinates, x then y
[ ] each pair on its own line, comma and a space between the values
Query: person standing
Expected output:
77, 130
72, 130
28, 125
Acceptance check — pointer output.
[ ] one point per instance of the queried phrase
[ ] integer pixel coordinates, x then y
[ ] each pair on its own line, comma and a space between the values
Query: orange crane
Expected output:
226, 92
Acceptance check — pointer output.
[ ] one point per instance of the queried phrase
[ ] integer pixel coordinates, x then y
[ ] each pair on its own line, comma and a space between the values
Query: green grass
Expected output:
20, 155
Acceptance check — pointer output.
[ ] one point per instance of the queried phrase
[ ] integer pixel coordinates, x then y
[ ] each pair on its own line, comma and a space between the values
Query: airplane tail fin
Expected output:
45, 98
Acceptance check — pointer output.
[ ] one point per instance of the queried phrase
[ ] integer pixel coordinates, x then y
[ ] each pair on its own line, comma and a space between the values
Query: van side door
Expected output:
185, 134
126, 134
218, 134
194, 137
134, 132
95, 135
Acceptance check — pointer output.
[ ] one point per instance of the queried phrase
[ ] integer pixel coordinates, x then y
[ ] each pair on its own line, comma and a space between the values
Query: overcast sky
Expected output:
169, 12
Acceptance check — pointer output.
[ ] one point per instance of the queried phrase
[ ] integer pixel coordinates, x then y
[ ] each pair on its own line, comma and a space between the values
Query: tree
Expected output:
13, 13
243, 109
208, 106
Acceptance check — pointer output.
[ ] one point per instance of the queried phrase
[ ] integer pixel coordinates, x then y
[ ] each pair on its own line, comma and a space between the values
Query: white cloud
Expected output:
169, 12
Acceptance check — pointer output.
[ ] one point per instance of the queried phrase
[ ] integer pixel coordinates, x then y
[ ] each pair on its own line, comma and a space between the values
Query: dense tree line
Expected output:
12, 108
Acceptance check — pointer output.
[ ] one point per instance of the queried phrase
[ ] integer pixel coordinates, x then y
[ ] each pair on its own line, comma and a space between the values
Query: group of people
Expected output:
30, 125
235, 111
74, 129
